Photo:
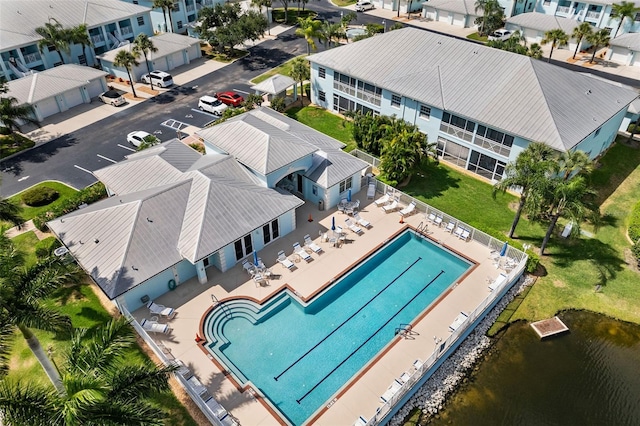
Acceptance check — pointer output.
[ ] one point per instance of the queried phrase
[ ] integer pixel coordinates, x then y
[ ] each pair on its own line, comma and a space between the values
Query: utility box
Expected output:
321, 205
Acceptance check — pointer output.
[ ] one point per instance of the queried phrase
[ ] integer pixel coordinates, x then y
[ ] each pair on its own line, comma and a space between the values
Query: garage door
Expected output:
194, 52
443, 16
458, 19
177, 59
95, 88
430, 13
72, 98
47, 107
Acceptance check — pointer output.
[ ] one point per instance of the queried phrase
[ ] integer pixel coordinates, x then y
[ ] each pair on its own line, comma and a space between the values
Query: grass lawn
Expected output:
13, 143
325, 122
283, 69
343, 3
478, 37
29, 213
293, 14
26, 243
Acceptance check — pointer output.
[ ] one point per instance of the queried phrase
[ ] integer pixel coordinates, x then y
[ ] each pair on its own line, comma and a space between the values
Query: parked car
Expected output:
501, 34
136, 138
230, 98
211, 104
112, 97
159, 78
362, 6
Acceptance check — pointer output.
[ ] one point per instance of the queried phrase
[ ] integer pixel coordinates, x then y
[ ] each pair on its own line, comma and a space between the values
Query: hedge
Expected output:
88, 195
634, 223
46, 247
40, 196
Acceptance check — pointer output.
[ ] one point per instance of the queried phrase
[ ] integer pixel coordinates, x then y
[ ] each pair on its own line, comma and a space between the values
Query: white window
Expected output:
140, 20
322, 96
396, 100
345, 184
425, 112
322, 72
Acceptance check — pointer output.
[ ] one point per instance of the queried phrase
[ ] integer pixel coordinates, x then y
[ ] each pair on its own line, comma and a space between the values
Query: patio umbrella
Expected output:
504, 249
333, 223
349, 195
255, 257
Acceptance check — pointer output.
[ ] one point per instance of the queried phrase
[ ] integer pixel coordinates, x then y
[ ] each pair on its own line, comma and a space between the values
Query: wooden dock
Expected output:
549, 327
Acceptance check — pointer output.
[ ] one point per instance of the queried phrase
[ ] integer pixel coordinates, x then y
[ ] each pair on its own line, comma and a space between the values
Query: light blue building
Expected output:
183, 15
110, 23
482, 106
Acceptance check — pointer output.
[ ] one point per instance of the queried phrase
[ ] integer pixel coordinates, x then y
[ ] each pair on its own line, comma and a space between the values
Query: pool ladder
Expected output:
422, 229
216, 302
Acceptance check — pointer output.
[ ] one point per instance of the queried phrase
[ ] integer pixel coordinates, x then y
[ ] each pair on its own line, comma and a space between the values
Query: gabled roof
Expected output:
54, 81
332, 166
542, 22
512, 93
274, 85
20, 18
629, 40
167, 216
465, 7
166, 43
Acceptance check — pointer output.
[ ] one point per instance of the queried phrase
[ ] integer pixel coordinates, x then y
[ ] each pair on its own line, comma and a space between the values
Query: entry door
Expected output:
299, 183
244, 247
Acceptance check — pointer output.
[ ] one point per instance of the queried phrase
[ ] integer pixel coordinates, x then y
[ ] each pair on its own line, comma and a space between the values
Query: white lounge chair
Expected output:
438, 221
460, 319
383, 200
161, 310
259, 279
371, 191
249, 267
497, 282
297, 249
361, 221
282, 259
197, 386
408, 210
417, 364
404, 378
391, 390
391, 207
182, 370
308, 242
450, 227
458, 232
354, 228
155, 327
360, 422
465, 235
215, 407
431, 218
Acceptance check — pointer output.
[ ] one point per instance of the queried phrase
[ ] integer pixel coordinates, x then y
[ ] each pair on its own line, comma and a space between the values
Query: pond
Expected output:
590, 376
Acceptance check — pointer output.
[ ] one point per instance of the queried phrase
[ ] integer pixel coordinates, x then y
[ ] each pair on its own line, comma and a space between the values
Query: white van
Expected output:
362, 6
159, 78
211, 104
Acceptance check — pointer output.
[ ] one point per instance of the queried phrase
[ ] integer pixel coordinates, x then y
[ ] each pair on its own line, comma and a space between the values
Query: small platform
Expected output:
549, 327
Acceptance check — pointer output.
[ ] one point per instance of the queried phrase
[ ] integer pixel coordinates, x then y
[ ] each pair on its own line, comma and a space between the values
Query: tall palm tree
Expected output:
300, 72
127, 60
331, 33
556, 37
10, 212
11, 113
23, 289
310, 29
597, 39
571, 163
143, 44
53, 34
623, 11
167, 7
99, 385
80, 35
482, 5
267, 4
580, 33
529, 171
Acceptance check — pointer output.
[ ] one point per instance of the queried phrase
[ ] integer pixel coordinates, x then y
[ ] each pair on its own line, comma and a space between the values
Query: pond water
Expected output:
590, 376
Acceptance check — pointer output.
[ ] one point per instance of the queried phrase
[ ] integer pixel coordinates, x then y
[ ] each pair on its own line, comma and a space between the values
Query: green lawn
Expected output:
29, 213
11, 144
283, 69
478, 37
343, 3
26, 243
325, 122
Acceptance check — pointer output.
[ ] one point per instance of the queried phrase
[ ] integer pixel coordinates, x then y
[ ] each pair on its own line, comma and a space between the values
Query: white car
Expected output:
112, 97
212, 104
159, 78
501, 34
363, 6
136, 138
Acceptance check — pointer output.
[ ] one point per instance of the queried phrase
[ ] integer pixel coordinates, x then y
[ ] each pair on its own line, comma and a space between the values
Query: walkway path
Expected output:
26, 227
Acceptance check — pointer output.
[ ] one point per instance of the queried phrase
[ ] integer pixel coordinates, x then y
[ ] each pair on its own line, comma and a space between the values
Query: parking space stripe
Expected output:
106, 158
83, 169
127, 147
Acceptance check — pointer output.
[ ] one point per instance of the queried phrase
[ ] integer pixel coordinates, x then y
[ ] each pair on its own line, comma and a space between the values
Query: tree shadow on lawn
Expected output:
431, 182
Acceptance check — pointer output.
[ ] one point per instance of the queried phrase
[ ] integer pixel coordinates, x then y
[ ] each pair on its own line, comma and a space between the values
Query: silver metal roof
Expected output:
145, 232
20, 18
331, 167
513, 93
54, 81
166, 43
465, 7
542, 22
629, 40
274, 85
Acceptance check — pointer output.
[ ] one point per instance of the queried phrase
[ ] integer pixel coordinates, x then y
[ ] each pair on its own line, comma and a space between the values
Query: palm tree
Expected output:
167, 7
99, 385
264, 3
10, 212
556, 37
80, 35
143, 44
310, 30
404, 149
572, 162
579, 33
127, 60
300, 72
23, 289
53, 34
482, 5
285, 5
535, 51
623, 11
11, 113
531, 168
332, 31
597, 39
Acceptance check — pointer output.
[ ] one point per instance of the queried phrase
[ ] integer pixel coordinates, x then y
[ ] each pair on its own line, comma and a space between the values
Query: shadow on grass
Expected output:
431, 182
615, 167
604, 257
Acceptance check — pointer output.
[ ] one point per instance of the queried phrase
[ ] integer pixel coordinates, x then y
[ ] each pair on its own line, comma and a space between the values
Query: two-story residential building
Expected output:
596, 12
482, 106
183, 14
110, 23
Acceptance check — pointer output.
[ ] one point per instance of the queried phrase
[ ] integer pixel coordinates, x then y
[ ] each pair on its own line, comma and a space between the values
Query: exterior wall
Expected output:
334, 195
623, 56
276, 176
594, 144
187, 13
595, 13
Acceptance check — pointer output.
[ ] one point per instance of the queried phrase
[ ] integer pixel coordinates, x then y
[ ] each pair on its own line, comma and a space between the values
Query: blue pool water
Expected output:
314, 350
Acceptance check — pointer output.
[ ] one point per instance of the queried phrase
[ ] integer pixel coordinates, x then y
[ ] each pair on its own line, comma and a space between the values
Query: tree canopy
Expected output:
224, 25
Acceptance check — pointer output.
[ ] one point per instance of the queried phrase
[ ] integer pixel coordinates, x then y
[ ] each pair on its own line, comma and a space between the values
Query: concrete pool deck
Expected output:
360, 396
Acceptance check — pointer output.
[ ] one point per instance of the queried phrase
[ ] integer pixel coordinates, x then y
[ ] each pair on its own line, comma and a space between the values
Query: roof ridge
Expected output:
532, 67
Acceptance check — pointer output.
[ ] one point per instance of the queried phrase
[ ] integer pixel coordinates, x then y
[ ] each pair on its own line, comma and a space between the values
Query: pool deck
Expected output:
360, 397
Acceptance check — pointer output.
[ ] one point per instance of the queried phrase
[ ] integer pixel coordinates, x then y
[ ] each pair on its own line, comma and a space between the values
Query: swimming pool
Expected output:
299, 356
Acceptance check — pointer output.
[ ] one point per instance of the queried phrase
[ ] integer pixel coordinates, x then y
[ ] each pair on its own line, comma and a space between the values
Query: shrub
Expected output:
633, 128
40, 196
634, 223
5, 131
278, 104
198, 147
46, 247
88, 195
635, 249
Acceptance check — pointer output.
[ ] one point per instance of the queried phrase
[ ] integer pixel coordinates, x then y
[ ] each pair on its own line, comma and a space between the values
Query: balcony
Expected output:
593, 15
126, 32
563, 10
97, 39
190, 8
30, 58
